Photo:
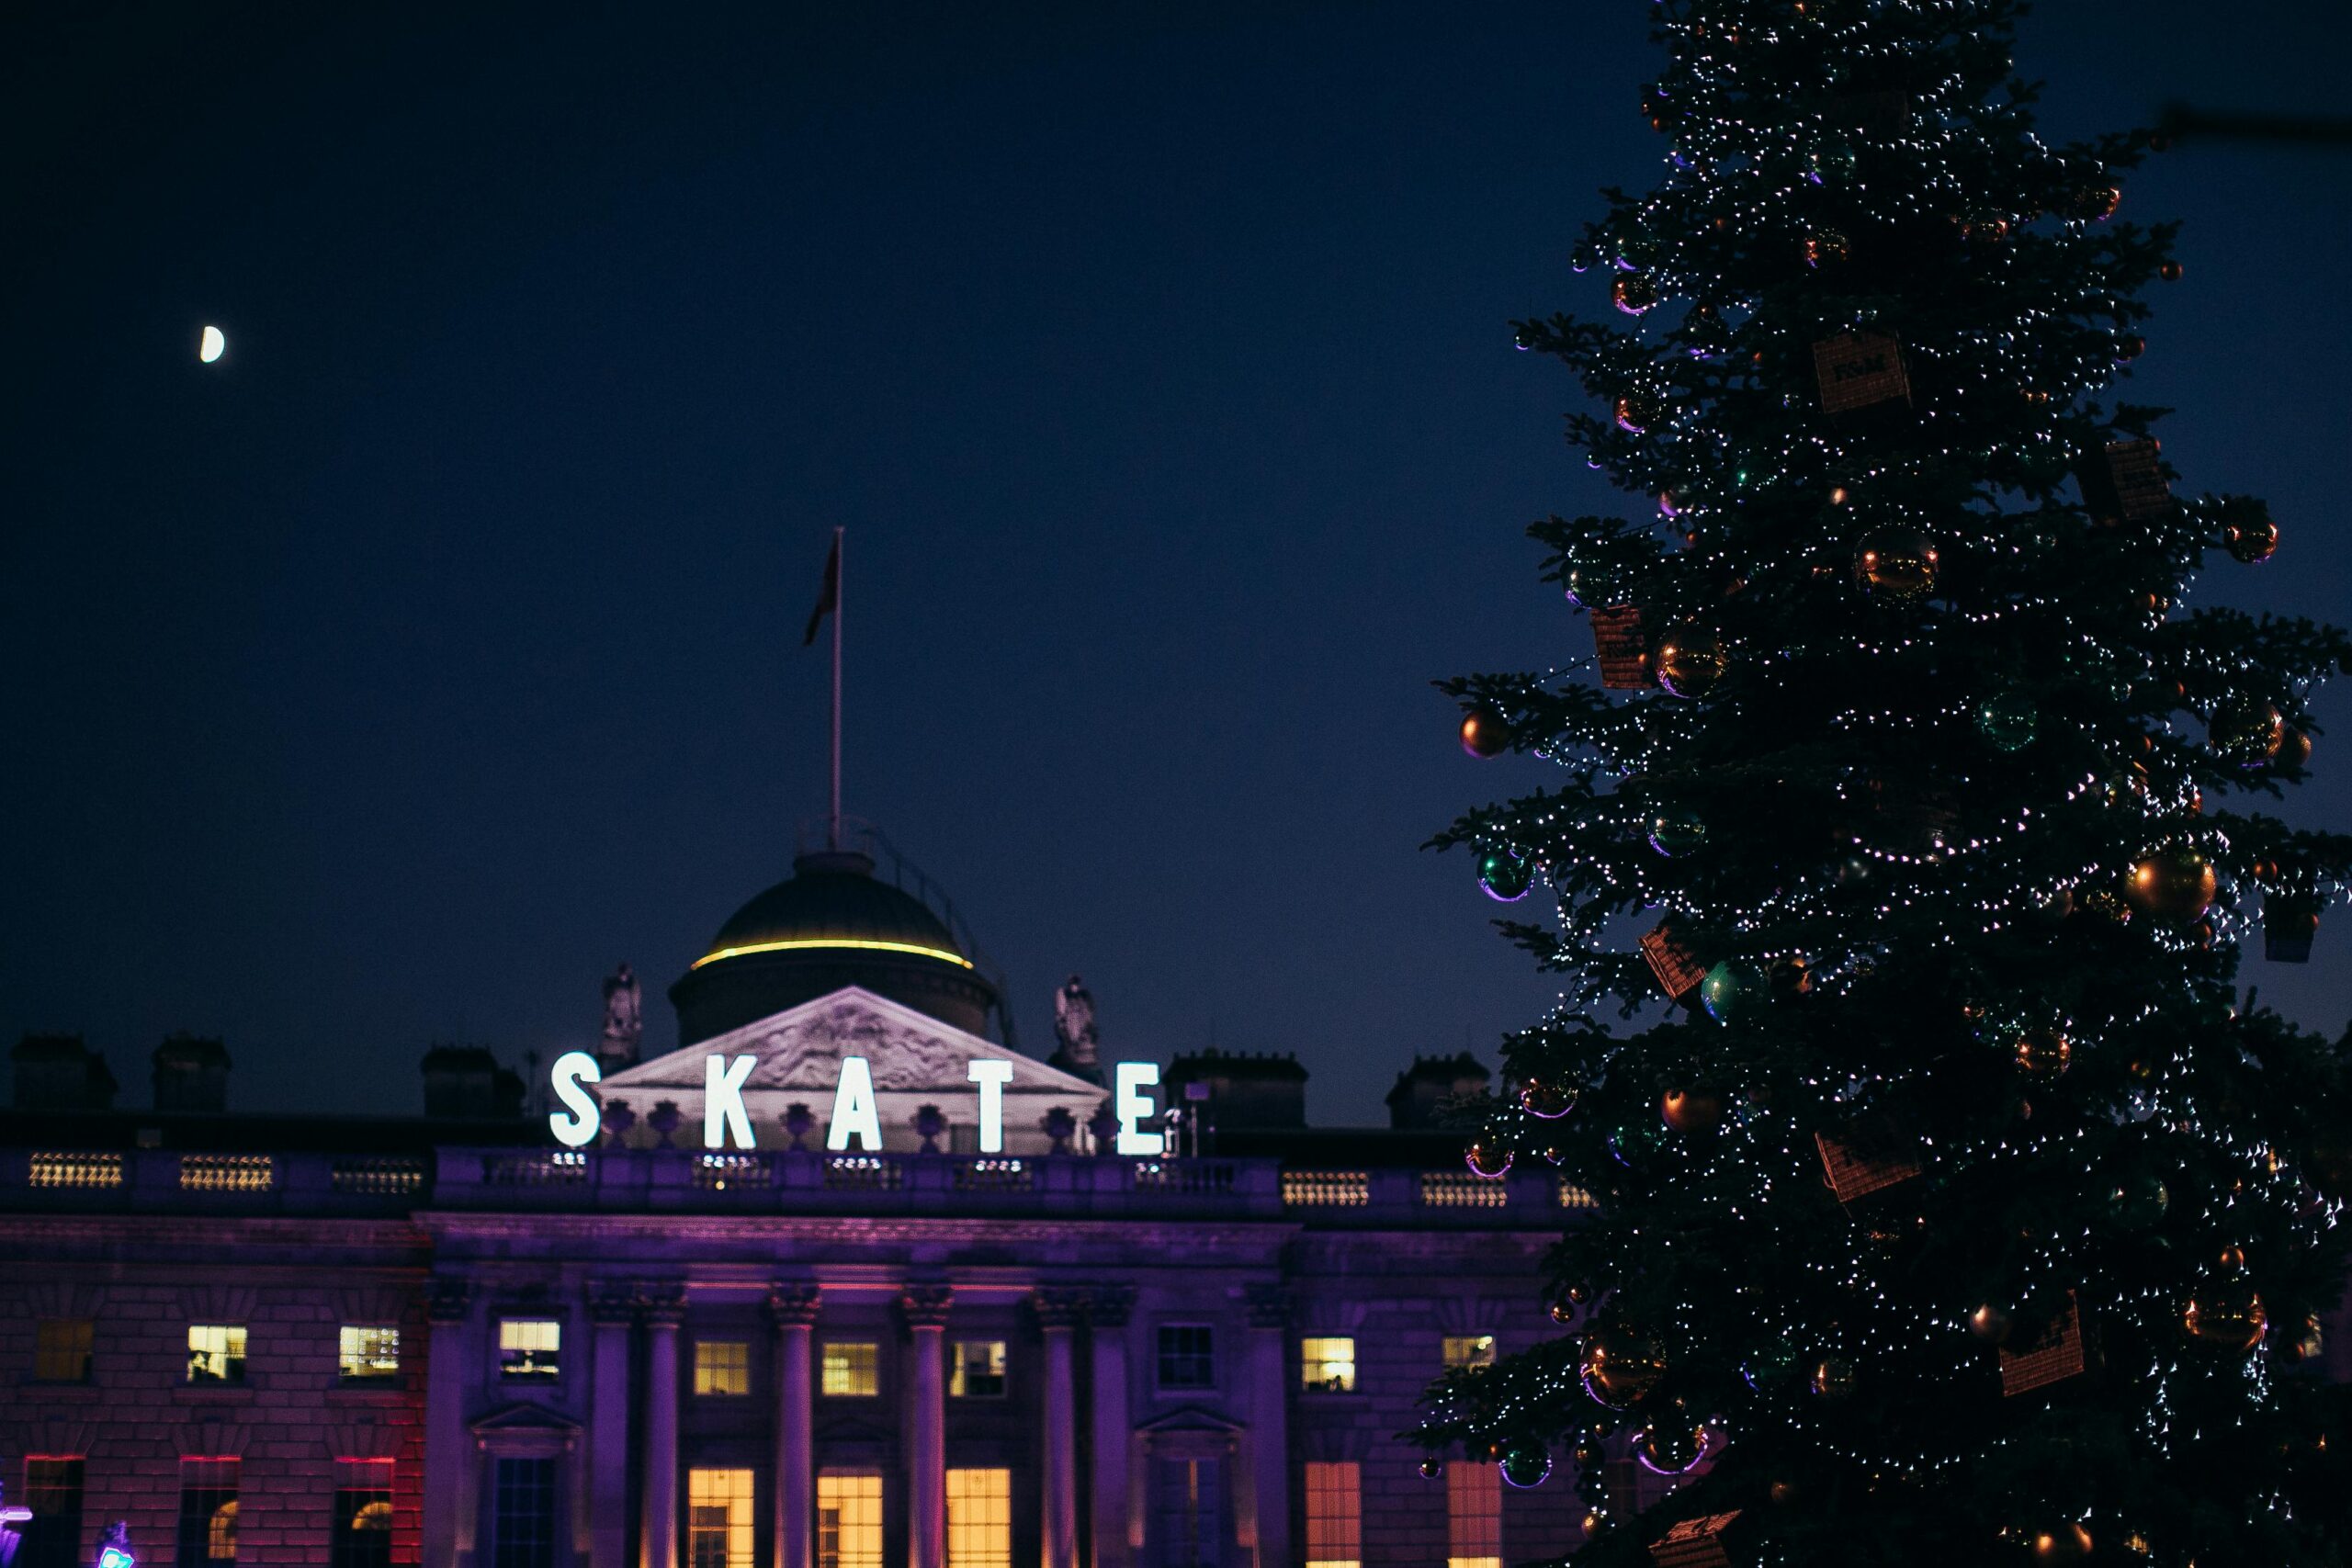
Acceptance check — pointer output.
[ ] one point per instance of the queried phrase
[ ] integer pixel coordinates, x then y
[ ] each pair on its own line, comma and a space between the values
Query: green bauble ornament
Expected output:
1590, 587
1505, 875
1677, 830
1526, 1464
2138, 1202
2248, 732
2008, 719
1897, 563
1735, 990
1774, 1361
1834, 160
1635, 1138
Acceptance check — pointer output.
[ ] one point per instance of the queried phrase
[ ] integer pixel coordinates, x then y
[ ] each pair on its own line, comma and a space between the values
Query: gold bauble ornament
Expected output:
1835, 1378
1897, 563
1690, 662
2044, 1053
2066, 1543
1622, 1369
2227, 1316
2173, 885
1690, 1110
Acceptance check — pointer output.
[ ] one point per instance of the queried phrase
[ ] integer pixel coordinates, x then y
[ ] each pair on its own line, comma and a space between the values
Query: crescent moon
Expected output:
215, 344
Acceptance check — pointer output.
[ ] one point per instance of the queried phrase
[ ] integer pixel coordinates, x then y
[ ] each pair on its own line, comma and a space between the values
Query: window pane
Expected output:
722, 1367
208, 1516
1327, 1366
1334, 1517
52, 1538
851, 1369
979, 1519
362, 1530
216, 1353
978, 1371
849, 1520
1474, 1515
1470, 1350
62, 1349
719, 1521
529, 1348
370, 1353
522, 1532
1187, 1356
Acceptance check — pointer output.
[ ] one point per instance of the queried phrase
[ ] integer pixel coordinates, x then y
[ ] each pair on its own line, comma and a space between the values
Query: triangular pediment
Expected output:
1188, 1418
524, 1418
801, 1049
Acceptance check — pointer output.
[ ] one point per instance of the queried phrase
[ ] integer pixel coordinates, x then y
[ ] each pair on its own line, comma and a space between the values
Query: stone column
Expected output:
611, 1309
1106, 1318
1268, 1307
449, 1465
793, 1309
925, 1307
1057, 1313
664, 1306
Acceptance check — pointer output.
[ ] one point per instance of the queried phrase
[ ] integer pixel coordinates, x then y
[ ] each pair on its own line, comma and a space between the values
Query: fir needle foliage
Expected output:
1949, 813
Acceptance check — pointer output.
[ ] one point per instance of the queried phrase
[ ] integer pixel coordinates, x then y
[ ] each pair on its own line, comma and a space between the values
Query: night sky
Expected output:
386, 682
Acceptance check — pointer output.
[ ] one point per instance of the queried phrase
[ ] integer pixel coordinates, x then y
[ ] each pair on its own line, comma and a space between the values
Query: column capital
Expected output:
1108, 1306
1059, 1306
925, 1305
792, 1303
612, 1304
447, 1298
1268, 1305
661, 1302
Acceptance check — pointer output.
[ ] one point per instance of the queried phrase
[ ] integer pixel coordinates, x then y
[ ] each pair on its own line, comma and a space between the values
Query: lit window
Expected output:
62, 1349
529, 1348
719, 1518
852, 1369
978, 1371
363, 1515
1187, 1356
722, 1367
370, 1353
523, 1516
849, 1520
1334, 1517
1327, 1366
1470, 1350
979, 1519
1474, 1515
216, 1353
208, 1518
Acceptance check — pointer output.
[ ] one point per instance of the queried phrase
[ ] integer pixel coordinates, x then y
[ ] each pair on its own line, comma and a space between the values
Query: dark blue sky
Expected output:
386, 682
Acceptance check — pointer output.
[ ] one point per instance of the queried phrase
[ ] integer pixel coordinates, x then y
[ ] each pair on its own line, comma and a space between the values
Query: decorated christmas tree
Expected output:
1953, 1204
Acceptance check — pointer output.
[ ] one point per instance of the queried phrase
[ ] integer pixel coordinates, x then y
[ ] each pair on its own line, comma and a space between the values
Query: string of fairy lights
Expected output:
1979, 681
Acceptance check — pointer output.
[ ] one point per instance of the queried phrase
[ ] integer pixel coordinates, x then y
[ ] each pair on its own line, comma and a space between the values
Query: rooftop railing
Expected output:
793, 1181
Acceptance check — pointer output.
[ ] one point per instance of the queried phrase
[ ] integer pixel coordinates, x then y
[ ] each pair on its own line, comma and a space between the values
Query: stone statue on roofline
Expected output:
624, 1020
1077, 1048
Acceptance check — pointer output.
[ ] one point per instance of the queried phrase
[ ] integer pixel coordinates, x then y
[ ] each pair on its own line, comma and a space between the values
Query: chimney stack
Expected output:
191, 1074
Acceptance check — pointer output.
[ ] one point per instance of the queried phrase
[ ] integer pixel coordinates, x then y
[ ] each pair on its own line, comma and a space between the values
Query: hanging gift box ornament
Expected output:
1677, 969
2289, 924
2060, 1351
1861, 372
1855, 1168
1621, 649
1695, 1544
2125, 482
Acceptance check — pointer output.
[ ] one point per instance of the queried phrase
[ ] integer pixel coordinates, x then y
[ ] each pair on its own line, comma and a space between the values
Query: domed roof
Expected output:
833, 901
834, 925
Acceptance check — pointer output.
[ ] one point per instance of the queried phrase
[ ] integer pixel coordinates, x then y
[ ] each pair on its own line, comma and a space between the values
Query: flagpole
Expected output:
834, 831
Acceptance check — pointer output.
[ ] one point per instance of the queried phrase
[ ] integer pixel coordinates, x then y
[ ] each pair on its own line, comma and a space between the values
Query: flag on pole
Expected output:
828, 598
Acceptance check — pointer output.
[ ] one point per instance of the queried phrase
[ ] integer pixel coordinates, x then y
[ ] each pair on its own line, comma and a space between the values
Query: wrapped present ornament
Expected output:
1695, 1544
1621, 649
2125, 483
2060, 1351
1862, 372
2288, 926
1854, 1165
1677, 969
